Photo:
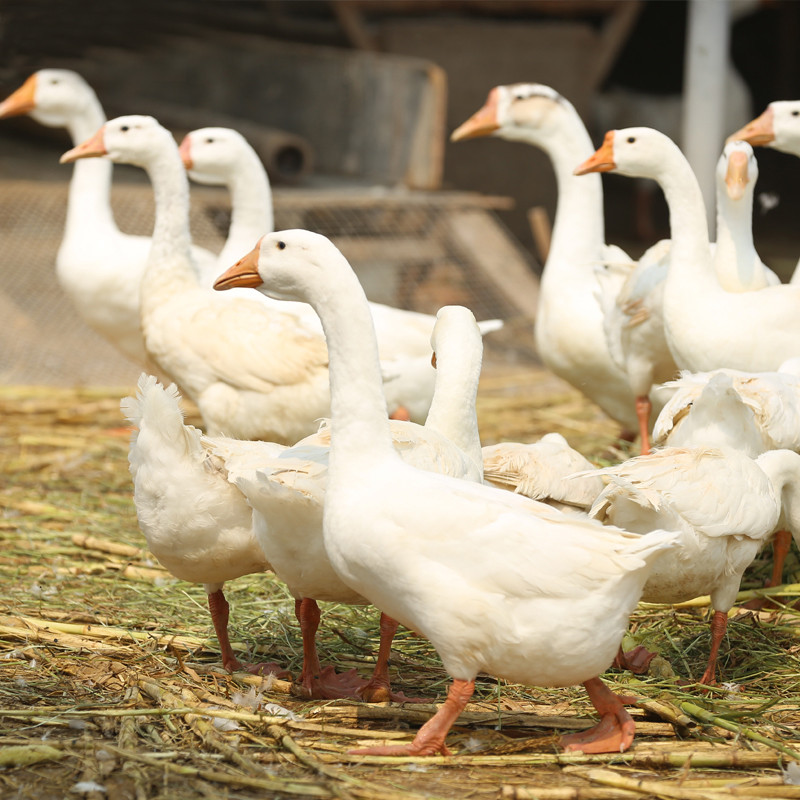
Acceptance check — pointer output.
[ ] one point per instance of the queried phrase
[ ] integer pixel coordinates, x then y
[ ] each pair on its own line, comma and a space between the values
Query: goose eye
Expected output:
124, 128
631, 139
209, 140
795, 113
281, 245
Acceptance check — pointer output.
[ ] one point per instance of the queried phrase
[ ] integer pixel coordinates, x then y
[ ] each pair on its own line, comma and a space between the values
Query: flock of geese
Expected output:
522, 561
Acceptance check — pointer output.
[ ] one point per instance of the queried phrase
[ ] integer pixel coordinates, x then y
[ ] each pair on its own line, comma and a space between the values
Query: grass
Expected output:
109, 672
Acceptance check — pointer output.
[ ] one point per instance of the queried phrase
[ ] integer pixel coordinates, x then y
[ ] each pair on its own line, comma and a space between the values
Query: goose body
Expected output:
207, 342
98, 266
706, 326
493, 579
222, 156
197, 524
543, 471
726, 505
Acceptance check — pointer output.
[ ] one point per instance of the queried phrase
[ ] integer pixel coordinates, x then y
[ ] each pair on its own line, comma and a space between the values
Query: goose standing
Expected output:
706, 326
222, 156
569, 319
207, 342
98, 266
497, 582
288, 495
196, 523
726, 506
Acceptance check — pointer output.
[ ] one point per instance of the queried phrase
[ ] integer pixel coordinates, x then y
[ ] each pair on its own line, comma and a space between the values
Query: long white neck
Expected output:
359, 417
736, 261
251, 208
452, 411
89, 207
690, 259
170, 269
579, 226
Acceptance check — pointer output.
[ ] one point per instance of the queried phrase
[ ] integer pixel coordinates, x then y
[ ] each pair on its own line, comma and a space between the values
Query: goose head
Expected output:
778, 127
285, 265
50, 96
636, 152
517, 111
211, 155
125, 140
737, 170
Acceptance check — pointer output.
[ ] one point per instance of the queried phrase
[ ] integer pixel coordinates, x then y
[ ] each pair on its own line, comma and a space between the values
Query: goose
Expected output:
222, 156
98, 266
287, 493
497, 582
778, 127
569, 328
634, 322
726, 506
751, 412
738, 265
206, 342
196, 523
706, 327
543, 470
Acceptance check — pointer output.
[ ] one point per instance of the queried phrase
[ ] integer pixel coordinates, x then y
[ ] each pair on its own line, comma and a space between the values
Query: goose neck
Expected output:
359, 416
169, 267
579, 225
735, 253
251, 209
89, 207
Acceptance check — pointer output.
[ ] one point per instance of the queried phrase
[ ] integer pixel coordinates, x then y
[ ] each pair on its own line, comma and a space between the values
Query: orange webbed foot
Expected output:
330, 685
613, 734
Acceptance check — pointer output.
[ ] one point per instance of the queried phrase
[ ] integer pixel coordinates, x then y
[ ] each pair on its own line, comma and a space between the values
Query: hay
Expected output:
109, 672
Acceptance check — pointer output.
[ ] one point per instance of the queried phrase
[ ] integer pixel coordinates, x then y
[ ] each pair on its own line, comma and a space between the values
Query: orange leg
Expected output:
316, 681
614, 732
643, 409
719, 624
220, 611
430, 737
379, 689
780, 549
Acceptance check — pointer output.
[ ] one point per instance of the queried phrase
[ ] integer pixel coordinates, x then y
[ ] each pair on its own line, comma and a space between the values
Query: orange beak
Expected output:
736, 176
602, 160
20, 102
482, 122
758, 133
92, 148
244, 273
186, 152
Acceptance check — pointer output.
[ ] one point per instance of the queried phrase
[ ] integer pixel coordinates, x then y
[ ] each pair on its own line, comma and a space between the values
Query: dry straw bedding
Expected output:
110, 685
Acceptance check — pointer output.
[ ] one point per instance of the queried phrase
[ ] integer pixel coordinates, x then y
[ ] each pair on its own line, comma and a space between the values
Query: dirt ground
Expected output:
110, 684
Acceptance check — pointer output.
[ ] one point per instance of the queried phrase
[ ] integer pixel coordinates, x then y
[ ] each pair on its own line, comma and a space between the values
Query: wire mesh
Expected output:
401, 246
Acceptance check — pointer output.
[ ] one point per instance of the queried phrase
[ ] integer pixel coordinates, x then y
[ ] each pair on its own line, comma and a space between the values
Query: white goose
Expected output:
196, 523
633, 318
777, 127
98, 266
223, 156
543, 471
706, 327
749, 411
726, 506
738, 265
497, 582
288, 494
569, 319
207, 342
